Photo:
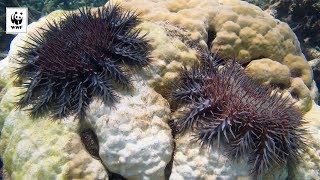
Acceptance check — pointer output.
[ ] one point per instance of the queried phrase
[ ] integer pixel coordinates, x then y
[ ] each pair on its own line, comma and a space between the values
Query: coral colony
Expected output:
87, 55
225, 104
78, 58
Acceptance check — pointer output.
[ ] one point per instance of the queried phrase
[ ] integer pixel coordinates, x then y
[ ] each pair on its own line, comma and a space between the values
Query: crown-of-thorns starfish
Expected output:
82, 56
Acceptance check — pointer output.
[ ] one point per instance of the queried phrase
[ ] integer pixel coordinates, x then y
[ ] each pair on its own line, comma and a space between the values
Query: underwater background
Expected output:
303, 18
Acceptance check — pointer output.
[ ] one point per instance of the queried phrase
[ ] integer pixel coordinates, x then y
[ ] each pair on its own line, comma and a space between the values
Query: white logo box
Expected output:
16, 20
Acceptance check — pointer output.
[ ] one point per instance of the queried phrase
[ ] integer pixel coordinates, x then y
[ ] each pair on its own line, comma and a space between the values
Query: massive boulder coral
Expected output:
42, 148
191, 161
45, 149
134, 137
178, 31
233, 28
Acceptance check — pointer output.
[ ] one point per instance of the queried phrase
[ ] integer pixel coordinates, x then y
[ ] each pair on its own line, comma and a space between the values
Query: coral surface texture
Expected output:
134, 137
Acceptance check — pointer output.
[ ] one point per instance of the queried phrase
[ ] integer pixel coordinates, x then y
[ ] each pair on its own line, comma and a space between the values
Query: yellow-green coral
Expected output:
42, 148
234, 28
7, 103
171, 51
32, 149
269, 72
299, 67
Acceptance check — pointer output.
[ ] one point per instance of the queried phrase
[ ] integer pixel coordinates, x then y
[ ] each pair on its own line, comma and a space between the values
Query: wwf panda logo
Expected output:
16, 18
